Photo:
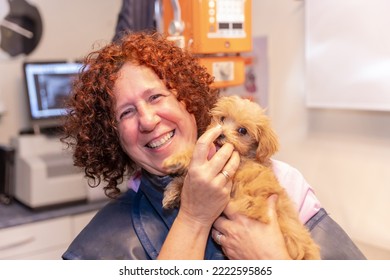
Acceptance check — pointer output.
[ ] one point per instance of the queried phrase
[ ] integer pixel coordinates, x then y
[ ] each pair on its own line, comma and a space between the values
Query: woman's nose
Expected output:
148, 119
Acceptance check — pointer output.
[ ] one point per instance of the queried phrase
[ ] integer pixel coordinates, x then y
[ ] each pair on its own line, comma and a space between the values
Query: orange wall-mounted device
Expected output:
217, 31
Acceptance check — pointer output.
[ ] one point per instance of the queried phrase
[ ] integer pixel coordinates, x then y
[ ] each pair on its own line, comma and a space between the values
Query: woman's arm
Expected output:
334, 241
253, 240
244, 238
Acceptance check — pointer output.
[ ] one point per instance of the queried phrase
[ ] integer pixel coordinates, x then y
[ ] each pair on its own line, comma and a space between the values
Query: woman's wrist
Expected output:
186, 239
193, 221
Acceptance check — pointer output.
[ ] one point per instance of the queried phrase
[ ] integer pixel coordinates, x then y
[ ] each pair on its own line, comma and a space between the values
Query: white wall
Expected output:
345, 155
71, 29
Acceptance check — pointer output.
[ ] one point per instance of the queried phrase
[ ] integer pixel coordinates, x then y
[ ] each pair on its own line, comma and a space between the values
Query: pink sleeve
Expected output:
298, 189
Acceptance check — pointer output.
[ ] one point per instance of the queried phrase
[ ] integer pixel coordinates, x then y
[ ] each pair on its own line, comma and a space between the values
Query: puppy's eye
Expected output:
242, 131
222, 119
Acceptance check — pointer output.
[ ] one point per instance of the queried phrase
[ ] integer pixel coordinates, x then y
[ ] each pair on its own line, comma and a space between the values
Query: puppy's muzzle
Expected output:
221, 139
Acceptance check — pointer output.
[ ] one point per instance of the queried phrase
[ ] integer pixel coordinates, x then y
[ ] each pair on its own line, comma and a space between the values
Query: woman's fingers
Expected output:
205, 143
216, 161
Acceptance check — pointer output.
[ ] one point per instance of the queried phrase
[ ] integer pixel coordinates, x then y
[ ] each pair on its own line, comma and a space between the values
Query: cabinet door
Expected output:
48, 254
35, 239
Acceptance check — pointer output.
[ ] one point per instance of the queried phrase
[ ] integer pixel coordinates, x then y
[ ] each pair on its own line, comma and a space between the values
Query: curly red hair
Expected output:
90, 128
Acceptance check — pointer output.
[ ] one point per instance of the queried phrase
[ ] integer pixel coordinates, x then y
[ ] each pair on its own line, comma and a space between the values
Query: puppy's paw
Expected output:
176, 164
174, 167
172, 194
170, 202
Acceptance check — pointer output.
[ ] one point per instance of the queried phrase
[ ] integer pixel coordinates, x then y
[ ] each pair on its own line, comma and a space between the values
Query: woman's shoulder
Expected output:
289, 177
110, 234
120, 206
297, 188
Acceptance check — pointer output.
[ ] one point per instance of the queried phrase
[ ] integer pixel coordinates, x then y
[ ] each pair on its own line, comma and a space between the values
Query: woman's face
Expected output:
153, 124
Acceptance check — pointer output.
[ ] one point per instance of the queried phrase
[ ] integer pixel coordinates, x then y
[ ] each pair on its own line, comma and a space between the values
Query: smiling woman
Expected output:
102, 98
136, 103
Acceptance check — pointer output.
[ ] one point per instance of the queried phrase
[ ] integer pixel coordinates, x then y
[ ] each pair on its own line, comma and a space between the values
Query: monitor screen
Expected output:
48, 85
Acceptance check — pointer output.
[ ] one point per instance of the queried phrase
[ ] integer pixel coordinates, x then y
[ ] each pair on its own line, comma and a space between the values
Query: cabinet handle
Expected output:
17, 243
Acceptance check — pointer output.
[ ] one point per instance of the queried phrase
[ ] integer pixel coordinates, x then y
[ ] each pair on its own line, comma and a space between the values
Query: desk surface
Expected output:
17, 214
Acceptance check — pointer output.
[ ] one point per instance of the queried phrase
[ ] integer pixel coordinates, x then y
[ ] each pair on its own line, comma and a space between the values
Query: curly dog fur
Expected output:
246, 126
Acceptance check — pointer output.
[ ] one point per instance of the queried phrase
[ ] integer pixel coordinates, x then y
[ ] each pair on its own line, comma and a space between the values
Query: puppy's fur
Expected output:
245, 125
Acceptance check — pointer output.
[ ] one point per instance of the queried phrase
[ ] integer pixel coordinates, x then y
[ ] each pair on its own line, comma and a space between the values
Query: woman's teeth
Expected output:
161, 141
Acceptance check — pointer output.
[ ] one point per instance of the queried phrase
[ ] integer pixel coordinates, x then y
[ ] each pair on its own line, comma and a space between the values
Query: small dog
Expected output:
248, 129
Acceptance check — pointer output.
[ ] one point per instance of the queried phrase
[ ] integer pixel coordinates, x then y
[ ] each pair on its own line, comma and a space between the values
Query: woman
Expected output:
137, 102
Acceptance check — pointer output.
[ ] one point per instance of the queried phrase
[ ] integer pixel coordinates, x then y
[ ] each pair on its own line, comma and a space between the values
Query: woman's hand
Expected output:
205, 194
206, 190
245, 238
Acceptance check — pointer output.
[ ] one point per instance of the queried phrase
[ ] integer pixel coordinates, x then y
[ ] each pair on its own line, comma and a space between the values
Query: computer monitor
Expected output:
48, 85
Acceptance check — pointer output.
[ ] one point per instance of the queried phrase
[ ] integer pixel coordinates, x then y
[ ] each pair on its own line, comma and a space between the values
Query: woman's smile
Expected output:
157, 143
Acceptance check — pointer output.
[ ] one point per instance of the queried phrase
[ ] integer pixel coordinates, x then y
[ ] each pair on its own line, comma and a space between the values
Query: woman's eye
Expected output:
127, 113
242, 131
154, 97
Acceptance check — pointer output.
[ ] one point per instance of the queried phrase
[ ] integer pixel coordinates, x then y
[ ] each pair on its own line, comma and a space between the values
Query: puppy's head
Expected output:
245, 126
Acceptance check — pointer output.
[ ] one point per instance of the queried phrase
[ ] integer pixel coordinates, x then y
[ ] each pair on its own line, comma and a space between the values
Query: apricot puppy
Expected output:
248, 129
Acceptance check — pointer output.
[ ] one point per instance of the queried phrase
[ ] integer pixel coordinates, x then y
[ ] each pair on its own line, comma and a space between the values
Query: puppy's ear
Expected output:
268, 142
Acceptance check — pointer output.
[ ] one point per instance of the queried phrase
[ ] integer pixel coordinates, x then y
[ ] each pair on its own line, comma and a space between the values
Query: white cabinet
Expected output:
25, 241
46, 239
